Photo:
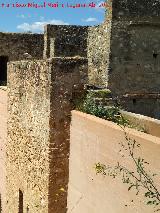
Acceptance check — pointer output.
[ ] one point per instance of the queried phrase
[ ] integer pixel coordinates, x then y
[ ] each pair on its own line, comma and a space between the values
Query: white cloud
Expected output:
90, 20
39, 25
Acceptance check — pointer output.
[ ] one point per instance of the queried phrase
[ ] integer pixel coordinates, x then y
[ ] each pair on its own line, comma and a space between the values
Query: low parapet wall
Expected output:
150, 125
96, 140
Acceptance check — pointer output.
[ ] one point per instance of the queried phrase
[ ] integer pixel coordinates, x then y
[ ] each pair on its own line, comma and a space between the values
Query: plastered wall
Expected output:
95, 140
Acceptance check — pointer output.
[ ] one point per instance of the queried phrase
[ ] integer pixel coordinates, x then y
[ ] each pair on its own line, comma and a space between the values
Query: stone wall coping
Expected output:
152, 23
4, 88
21, 33
131, 132
139, 116
50, 60
142, 95
66, 26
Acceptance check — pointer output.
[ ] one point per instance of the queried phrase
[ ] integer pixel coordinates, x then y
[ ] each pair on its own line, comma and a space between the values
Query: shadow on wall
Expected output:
3, 70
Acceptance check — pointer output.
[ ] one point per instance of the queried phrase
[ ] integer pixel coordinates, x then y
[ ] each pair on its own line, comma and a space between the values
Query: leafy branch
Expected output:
140, 179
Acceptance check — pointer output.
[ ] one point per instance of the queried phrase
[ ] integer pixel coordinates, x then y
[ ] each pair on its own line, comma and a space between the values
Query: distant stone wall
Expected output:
98, 54
65, 41
99, 50
124, 9
135, 56
14, 45
149, 106
41, 97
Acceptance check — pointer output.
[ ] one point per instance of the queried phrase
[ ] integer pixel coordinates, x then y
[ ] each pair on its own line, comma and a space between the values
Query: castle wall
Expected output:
14, 45
99, 50
68, 78
65, 41
134, 59
28, 135
3, 141
98, 54
41, 96
124, 9
148, 105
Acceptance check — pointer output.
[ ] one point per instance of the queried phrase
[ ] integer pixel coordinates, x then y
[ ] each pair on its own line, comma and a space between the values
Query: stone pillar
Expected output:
41, 95
68, 76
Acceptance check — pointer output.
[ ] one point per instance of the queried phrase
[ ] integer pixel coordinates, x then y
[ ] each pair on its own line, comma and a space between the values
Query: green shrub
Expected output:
112, 113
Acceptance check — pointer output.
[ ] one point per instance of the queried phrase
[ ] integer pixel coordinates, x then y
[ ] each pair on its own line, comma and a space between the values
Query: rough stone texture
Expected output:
98, 54
41, 95
65, 41
28, 135
68, 79
149, 105
134, 58
96, 140
14, 45
3, 140
135, 8
99, 51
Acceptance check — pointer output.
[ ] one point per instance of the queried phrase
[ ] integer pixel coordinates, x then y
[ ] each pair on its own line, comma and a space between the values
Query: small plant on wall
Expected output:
139, 179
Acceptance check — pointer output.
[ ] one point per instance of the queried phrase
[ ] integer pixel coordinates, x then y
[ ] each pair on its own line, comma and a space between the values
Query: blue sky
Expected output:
31, 19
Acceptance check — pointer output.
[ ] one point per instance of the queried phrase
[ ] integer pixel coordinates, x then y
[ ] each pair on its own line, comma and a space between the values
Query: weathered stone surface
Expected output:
28, 135
98, 54
41, 97
14, 45
99, 51
67, 82
65, 41
135, 8
3, 141
134, 53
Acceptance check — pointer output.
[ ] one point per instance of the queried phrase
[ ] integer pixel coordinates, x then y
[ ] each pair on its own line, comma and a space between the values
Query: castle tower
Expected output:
134, 69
